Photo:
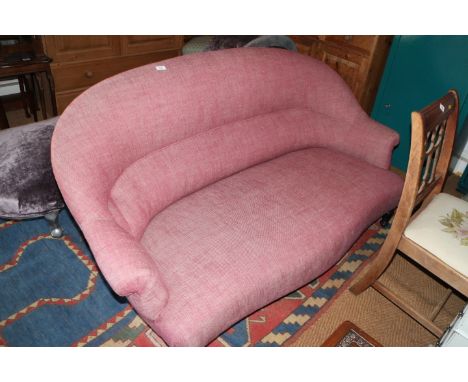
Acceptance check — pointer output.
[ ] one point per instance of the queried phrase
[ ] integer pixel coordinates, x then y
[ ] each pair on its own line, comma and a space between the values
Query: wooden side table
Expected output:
31, 72
349, 335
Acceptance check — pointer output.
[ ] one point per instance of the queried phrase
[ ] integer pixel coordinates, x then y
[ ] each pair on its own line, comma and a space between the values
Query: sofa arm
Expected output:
372, 142
126, 265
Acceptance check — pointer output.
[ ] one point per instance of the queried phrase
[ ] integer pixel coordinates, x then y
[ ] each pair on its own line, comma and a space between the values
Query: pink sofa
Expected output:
220, 182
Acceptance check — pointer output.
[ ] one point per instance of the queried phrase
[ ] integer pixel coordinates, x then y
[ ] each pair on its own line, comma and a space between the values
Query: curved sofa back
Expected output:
136, 142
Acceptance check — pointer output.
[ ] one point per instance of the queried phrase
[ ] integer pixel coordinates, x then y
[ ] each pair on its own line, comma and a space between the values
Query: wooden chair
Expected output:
425, 225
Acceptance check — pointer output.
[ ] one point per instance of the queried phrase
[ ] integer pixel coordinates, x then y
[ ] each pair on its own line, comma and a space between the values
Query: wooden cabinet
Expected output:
80, 48
81, 61
360, 60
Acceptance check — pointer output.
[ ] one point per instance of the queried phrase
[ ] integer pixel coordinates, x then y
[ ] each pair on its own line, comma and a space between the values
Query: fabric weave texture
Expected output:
219, 177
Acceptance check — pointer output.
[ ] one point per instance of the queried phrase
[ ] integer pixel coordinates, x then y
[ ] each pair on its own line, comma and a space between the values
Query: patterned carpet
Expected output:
52, 294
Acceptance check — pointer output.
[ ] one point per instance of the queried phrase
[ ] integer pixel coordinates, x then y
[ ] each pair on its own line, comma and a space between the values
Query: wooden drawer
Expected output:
71, 79
147, 44
82, 75
64, 98
72, 76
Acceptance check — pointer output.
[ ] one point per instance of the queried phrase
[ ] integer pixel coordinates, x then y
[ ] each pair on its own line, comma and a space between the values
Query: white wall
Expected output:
460, 161
460, 150
9, 87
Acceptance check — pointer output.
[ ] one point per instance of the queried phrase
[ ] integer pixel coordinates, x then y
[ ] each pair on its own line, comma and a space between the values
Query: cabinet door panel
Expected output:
81, 48
349, 66
303, 43
358, 59
364, 43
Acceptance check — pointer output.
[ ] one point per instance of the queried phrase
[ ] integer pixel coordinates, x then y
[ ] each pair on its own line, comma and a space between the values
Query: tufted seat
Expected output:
213, 183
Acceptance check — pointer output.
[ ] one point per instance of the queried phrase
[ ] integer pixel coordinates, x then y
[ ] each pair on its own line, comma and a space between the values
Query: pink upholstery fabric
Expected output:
251, 238
190, 164
135, 144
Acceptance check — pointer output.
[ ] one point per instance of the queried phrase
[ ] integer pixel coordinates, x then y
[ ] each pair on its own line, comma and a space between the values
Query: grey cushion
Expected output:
227, 42
207, 43
283, 42
196, 44
27, 184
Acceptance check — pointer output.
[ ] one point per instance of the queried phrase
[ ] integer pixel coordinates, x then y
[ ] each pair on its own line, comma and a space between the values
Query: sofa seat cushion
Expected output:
248, 239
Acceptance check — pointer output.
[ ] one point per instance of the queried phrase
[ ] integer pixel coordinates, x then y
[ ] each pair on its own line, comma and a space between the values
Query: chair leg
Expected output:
52, 218
408, 309
376, 267
50, 80
440, 305
381, 259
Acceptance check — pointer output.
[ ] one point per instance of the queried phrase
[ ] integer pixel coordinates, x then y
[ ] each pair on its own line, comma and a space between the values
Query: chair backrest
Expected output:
432, 136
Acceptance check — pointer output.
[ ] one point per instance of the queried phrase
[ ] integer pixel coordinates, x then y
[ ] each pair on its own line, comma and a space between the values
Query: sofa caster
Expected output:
385, 220
52, 218
56, 233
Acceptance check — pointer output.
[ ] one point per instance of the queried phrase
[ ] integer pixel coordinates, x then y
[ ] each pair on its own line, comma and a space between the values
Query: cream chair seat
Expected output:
428, 231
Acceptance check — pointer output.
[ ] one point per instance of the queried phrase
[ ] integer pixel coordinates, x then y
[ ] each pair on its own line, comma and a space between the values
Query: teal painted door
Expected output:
419, 70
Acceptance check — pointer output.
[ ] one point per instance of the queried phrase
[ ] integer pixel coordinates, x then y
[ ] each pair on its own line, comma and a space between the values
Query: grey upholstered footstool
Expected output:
27, 185
207, 43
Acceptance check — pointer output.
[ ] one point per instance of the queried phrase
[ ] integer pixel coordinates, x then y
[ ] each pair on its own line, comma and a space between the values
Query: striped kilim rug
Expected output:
52, 294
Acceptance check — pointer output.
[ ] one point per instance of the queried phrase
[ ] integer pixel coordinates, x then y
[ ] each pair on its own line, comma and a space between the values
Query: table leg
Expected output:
38, 81
3, 118
50, 79
30, 90
24, 96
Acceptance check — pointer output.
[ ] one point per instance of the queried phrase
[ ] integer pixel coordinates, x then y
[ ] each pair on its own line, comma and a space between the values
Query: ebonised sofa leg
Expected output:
385, 220
52, 218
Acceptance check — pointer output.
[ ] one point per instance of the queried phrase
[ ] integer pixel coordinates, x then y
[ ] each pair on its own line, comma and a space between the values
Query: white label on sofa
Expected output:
442, 107
160, 67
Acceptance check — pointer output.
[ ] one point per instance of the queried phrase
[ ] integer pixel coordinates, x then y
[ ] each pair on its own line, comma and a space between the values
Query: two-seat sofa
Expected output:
210, 185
